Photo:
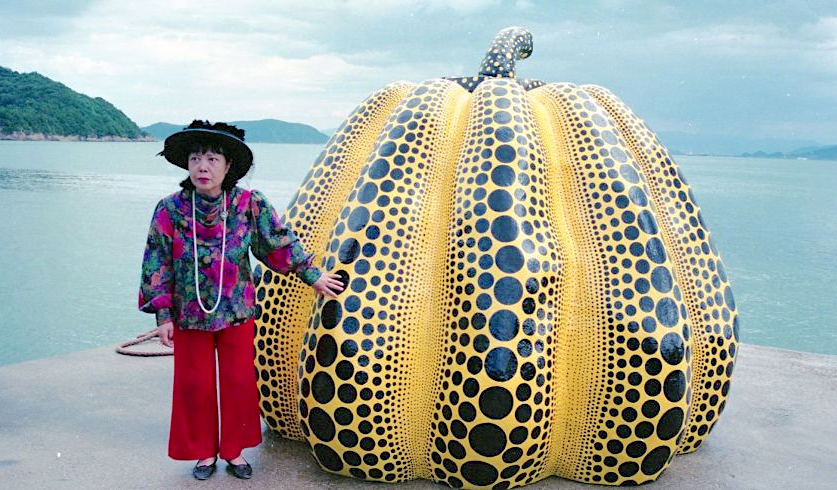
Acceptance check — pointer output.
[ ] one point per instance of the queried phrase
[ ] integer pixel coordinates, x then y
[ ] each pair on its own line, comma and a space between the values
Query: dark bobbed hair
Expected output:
215, 146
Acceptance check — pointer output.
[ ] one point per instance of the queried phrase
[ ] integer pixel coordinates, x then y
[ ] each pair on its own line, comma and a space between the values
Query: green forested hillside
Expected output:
31, 104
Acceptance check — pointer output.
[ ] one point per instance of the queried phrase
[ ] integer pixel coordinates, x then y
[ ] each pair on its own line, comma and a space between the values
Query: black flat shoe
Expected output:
203, 472
243, 471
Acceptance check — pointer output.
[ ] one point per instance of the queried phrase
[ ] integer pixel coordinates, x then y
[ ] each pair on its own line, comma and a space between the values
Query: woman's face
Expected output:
207, 171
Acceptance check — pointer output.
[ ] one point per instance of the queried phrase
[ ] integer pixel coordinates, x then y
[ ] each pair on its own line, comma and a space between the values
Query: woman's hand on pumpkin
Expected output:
166, 334
329, 285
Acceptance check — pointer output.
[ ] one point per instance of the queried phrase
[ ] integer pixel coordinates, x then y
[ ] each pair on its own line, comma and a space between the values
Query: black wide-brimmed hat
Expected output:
176, 148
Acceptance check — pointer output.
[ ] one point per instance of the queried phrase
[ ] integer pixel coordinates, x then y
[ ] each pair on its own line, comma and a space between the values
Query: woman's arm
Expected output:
157, 282
275, 244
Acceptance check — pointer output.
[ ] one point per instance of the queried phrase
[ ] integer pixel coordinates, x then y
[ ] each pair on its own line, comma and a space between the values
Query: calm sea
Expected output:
77, 216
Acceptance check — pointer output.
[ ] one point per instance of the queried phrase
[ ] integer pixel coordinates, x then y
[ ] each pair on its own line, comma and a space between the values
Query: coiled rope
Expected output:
123, 348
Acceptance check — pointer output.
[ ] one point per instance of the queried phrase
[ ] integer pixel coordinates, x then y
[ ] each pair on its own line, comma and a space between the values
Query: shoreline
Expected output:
151, 139
17, 136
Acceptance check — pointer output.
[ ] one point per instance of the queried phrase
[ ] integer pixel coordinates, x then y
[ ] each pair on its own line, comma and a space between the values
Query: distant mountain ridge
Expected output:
815, 153
680, 143
34, 107
261, 131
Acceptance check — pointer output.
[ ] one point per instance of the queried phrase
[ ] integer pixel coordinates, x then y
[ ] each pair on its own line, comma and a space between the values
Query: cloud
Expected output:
177, 59
40, 18
387, 7
823, 54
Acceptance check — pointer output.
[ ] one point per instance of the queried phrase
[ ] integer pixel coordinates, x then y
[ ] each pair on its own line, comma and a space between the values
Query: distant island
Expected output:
808, 153
36, 108
732, 145
261, 131
33, 107
816, 153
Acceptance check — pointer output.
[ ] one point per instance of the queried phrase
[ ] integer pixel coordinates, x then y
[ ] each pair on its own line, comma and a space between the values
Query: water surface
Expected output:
77, 217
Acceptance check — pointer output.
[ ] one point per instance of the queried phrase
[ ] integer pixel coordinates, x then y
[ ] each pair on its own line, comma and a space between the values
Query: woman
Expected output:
196, 279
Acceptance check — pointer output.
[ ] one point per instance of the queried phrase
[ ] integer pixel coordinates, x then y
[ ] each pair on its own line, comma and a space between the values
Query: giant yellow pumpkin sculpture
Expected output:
531, 291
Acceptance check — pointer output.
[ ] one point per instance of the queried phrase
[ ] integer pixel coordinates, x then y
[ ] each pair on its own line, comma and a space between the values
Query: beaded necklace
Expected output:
223, 253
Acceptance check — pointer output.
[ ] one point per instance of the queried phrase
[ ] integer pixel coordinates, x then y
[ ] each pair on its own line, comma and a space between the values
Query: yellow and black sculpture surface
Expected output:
531, 291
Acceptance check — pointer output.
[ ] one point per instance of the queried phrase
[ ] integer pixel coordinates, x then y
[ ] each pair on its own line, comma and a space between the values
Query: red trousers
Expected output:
194, 412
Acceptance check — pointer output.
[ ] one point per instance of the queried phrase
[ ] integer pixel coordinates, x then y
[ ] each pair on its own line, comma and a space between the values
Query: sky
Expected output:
744, 74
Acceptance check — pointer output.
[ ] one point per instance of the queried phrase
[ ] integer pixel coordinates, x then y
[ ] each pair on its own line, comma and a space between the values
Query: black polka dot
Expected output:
647, 222
649, 345
510, 260
321, 424
347, 393
332, 311
644, 429
508, 290
495, 402
635, 449
326, 350
358, 218
504, 229
343, 416
672, 348
351, 458
388, 148
349, 250
629, 173
502, 175
500, 200
327, 457
662, 280
655, 460
518, 435
500, 364
322, 387
628, 469
367, 193
512, 455
503, 325
674, 386
467, 412
728, 298
379, 168
666, 312
655, 250
670, 423
487, 439
479, 473
505, 153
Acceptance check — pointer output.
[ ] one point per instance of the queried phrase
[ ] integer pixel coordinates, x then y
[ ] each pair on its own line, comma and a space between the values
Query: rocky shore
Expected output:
19, 136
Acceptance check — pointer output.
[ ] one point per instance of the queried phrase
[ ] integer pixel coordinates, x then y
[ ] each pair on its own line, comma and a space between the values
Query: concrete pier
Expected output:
96, 419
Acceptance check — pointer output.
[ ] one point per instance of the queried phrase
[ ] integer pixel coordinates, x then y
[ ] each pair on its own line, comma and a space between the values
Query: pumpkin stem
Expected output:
509, 45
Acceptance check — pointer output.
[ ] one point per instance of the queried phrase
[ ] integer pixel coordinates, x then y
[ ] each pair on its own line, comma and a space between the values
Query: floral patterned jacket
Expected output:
168, 282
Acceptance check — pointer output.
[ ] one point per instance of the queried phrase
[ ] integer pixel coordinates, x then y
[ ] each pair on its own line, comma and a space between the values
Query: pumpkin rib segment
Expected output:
571, 391
439, 203
502, 263
634, 425
690, 241
361, 387
588, 284
284, 302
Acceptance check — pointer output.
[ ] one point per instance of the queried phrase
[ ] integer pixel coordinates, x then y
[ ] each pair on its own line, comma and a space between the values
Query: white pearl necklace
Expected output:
223, 253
